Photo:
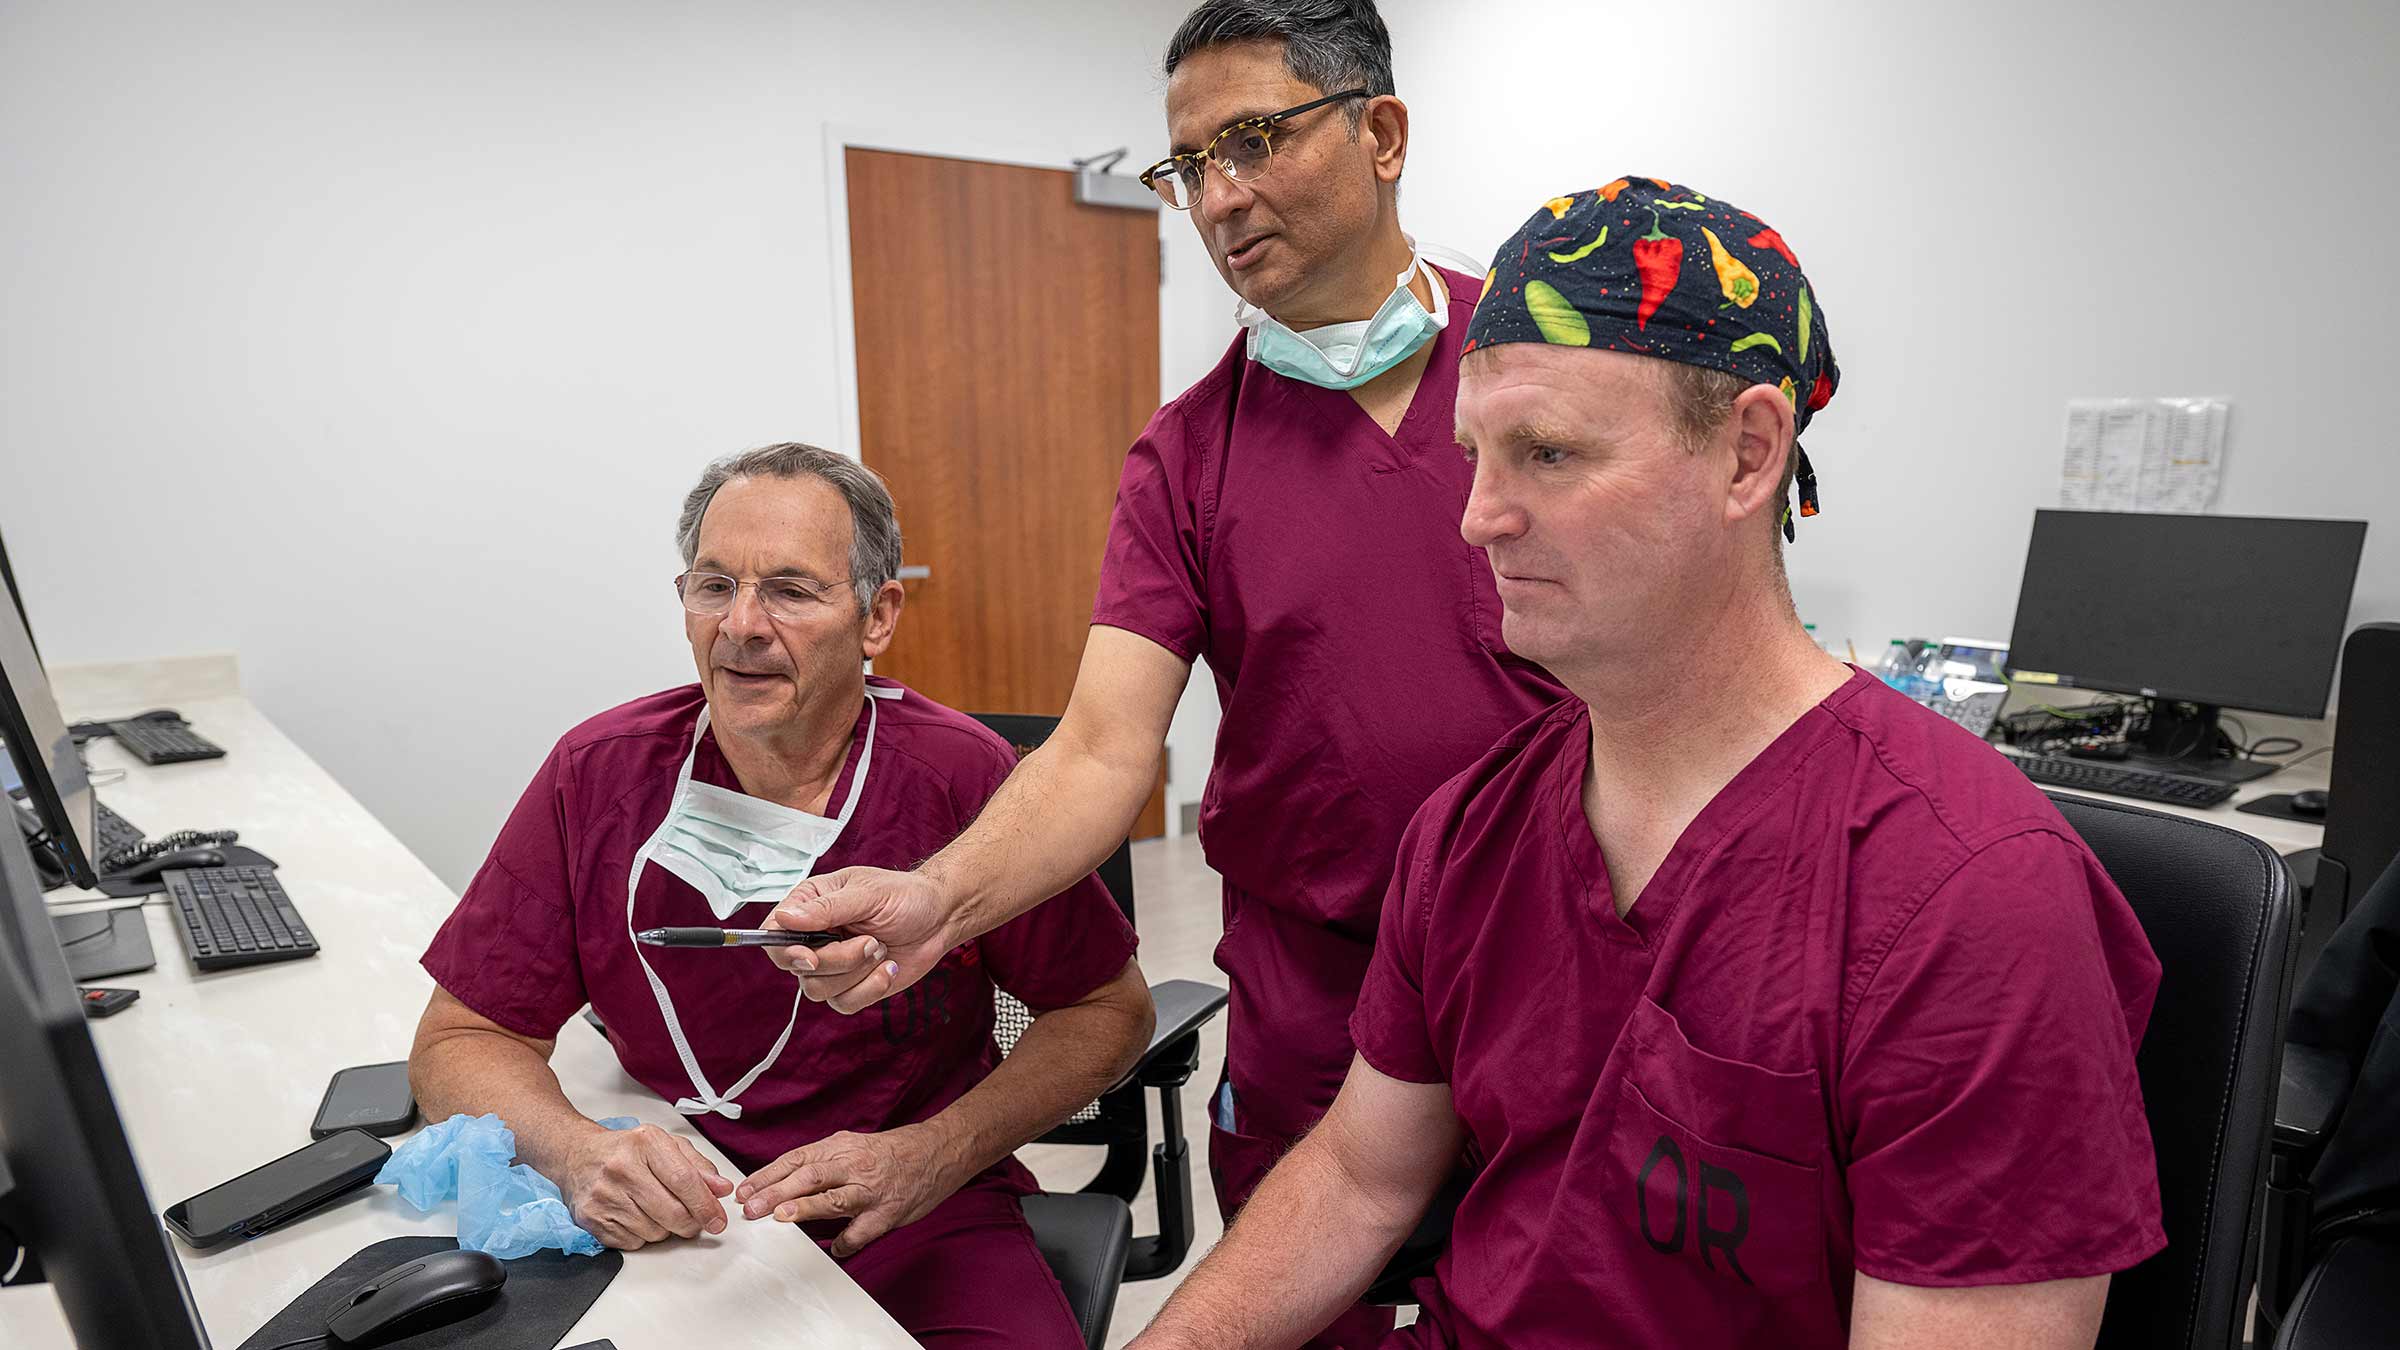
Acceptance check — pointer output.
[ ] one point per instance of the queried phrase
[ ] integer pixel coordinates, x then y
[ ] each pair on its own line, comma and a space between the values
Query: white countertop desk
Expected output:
215, 1074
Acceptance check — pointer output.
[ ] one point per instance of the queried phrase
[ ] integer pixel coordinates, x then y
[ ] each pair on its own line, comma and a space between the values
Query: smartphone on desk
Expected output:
371, 1097
292, 1185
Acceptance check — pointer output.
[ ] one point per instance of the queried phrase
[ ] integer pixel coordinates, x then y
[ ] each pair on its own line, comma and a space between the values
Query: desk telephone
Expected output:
124, 854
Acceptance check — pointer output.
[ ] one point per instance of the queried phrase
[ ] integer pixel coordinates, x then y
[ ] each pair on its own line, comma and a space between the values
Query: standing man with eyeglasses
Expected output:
888, 1138
1293, 517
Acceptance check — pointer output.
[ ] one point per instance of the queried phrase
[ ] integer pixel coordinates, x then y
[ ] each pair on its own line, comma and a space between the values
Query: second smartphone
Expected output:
282, 1190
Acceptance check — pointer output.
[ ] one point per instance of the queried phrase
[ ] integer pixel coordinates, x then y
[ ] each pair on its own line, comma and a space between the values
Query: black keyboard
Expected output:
165, 742
236, 916
2085, 775
115, 833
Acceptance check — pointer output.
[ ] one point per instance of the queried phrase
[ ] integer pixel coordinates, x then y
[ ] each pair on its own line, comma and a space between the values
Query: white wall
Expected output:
2002, 207
378, 342
400, 299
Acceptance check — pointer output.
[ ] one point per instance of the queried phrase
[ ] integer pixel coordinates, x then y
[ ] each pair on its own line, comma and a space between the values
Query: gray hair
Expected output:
874, 528
1331, 44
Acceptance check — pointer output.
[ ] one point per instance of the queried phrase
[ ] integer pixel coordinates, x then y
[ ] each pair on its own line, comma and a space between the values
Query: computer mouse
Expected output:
2309, 802
182, 857
415, 1296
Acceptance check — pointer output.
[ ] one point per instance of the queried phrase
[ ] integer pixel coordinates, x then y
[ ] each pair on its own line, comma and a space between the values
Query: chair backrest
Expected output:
1025, 732
1122, 1108
2216, 906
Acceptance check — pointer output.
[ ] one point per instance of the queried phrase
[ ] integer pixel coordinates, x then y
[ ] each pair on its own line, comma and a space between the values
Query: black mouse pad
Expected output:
2278, 805
546, 1293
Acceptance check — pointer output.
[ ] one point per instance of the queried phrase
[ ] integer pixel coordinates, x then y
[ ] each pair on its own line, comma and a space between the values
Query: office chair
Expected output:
1088, 1236
2329, 1265
2217, 908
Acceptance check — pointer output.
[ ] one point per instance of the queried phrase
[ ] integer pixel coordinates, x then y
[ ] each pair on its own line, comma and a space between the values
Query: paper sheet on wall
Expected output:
2128, 454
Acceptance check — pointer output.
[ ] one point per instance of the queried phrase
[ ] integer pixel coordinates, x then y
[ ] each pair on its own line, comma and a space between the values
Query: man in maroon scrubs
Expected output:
1292, 518
889, 1137
1767, 1007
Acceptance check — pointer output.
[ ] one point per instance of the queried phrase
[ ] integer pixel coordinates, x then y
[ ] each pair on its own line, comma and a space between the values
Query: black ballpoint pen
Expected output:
733, 937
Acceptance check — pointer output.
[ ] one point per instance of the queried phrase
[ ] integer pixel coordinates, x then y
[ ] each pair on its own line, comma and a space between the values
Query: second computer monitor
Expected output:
2194, 614
44, 751
2230, 611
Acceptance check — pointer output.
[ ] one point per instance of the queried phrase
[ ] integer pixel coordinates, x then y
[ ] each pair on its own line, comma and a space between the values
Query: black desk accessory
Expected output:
547, 1294
2278, 806
99, 1002
104, 943
124, 886
236, 916
163, 737
2082, 775
422, 1294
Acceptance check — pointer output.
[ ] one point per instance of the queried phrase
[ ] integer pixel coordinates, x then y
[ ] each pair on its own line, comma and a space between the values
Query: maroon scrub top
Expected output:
1876, 1011
1272, 527
541, 930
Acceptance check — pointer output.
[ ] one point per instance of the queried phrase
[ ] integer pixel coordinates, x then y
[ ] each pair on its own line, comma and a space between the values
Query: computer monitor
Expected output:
73, 1211
44, 753
8, 576
40, 764
2194, 613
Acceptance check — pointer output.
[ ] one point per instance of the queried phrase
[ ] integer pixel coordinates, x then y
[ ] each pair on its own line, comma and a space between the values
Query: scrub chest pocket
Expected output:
1716, 1165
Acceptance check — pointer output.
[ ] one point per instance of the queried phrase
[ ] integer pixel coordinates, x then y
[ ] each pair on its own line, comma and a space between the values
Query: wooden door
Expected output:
1007, 355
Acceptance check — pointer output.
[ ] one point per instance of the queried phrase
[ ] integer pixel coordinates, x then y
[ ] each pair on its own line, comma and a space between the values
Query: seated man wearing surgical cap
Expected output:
1757, 1005
888, 1136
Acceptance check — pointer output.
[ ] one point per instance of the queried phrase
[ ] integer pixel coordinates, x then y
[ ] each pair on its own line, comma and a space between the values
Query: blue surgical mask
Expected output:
1347, 355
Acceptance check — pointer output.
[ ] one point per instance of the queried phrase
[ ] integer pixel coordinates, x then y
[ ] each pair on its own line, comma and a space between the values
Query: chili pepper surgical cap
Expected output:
1619, 268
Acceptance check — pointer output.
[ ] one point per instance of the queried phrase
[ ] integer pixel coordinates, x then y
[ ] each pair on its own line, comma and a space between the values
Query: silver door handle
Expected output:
914, 572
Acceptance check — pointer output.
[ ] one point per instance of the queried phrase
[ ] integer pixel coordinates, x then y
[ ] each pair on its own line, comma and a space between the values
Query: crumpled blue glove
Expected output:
504, 1208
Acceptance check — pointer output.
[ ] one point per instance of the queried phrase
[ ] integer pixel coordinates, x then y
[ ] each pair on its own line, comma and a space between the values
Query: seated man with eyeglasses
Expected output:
888, 1136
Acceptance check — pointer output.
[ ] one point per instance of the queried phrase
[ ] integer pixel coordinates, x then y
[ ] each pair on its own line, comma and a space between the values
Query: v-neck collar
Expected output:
1342, 414
1660, 898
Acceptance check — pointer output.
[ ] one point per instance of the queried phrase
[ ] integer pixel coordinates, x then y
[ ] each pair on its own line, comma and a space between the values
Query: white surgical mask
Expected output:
1347, 355
736, 850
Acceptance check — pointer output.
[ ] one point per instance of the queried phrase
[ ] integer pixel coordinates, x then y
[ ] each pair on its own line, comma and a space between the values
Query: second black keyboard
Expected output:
165, 742
2083, 775
236, 916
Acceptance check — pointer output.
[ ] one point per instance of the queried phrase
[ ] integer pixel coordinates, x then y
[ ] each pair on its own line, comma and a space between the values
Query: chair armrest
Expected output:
2315, 1086
1184, 1006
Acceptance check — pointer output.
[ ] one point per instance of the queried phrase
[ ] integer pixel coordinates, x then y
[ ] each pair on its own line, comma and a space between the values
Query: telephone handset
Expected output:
125, 859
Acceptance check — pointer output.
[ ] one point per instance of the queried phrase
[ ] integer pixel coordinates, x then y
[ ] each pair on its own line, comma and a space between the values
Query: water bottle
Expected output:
1925, 675
1893, 667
